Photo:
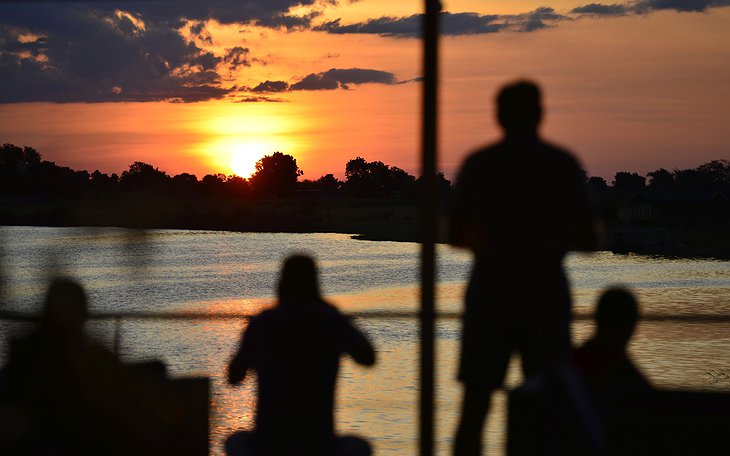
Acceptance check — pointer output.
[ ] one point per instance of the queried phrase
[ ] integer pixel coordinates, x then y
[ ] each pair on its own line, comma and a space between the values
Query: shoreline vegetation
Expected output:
682, 213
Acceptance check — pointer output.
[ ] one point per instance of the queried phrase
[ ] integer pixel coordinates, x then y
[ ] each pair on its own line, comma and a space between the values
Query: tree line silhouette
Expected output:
376, 200
24, 172
695, 194
713, 176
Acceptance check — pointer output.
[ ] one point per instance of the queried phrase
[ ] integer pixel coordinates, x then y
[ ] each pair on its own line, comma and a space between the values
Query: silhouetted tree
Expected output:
329, 183
442, 183
661, 180
363, 178
597, 185
17, 166
236, 186
718, 173
213, 184
101, 183
276, 174
58, 181
185, 184
399, 181
626, 182
18, 159
143, 177
371, 179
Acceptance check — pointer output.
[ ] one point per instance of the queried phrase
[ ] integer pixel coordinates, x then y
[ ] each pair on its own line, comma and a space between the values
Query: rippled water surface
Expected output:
221, 272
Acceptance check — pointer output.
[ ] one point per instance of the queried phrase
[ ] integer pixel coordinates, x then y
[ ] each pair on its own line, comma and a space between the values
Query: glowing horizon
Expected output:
627, 91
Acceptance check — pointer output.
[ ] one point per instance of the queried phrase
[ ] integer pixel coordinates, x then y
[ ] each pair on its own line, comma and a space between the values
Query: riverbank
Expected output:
392, 219
376, 219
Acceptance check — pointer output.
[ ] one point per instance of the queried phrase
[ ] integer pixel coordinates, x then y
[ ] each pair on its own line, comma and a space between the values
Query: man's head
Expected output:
616, 315
519, 107
66, 308
298, 280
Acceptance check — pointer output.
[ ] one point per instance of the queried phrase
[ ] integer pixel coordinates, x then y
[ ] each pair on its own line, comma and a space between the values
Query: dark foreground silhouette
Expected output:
603, 359
295, 350
518, 298
603, 405
63, 394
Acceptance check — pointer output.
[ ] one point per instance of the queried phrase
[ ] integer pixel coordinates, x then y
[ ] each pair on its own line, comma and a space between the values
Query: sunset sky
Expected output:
189, 86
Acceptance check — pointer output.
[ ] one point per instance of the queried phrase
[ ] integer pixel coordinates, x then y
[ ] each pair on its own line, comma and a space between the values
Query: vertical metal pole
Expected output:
428, 225
117, 335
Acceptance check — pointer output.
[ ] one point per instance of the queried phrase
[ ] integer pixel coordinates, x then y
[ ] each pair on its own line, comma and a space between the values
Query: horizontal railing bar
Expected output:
21, 316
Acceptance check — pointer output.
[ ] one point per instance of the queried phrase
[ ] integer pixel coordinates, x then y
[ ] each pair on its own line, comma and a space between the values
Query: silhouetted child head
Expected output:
616, 315
519, 108
298, 280
66, 307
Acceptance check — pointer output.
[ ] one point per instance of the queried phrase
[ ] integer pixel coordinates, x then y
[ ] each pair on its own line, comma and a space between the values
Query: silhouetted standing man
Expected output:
519, 205
295, 350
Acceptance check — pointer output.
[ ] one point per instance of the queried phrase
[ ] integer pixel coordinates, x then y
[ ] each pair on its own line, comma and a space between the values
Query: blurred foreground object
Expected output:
63, 393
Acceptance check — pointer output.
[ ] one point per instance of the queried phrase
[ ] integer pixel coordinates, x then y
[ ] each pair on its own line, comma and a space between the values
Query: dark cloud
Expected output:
341, 78
648, 6
267, 13
124, 51
455, 24
334, 78
538, 19
597, 9
236, 57
384, 26
643, 6
259, 100
452, 24
271, 87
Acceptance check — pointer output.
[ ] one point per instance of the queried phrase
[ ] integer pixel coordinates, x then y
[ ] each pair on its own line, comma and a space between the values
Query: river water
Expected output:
213, 273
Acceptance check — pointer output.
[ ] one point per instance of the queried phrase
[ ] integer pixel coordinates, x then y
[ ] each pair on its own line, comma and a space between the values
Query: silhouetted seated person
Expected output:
62, 393
519, 204
295, 350
603, 359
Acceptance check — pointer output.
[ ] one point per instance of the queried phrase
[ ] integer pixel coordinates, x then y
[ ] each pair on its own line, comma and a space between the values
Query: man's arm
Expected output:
241, 362
464, 231
356, 344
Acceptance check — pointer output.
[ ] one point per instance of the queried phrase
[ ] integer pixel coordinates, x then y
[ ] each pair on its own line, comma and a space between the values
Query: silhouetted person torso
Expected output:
295, 349
610, 373
604, 360
521, 203
522, 199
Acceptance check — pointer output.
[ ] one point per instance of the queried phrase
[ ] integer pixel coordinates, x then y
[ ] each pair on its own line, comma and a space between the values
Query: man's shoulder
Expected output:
558, 152
483, 155
262, 319
516, 150
320, 310
486, 150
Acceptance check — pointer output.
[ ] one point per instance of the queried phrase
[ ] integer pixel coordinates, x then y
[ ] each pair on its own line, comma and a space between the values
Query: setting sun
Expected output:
244, 158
